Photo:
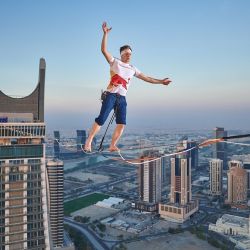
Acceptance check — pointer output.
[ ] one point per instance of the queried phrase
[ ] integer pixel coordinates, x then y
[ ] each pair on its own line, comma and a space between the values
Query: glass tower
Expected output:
220, 149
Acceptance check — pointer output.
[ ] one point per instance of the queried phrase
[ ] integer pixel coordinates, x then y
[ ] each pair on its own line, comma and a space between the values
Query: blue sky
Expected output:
203, 46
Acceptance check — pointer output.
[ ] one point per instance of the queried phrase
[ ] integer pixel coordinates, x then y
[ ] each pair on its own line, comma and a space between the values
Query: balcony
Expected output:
22, 130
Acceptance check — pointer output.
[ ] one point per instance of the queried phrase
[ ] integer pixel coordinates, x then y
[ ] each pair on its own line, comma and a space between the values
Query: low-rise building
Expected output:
235, 227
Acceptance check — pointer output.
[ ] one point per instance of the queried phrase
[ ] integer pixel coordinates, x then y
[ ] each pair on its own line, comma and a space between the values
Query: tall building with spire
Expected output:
181, 205
23, 195
215, 176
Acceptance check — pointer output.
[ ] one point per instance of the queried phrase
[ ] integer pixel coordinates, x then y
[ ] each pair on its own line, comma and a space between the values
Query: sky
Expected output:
202, 46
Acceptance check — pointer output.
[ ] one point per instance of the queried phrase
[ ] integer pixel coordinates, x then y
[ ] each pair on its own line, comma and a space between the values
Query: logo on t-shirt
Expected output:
117, 80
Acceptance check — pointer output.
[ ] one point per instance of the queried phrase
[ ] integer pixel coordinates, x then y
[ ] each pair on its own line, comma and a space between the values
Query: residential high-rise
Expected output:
180, 192
23, 196
215, 176
57, 144
237, 183
220, 149
149, 176
181, 205
55, 200
81, 139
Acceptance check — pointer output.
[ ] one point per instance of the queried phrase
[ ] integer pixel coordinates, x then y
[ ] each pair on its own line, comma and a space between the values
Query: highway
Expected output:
99, 187
92, 238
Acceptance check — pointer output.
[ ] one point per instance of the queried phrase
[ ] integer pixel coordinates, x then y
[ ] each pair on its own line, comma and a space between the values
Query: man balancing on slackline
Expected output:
121, 74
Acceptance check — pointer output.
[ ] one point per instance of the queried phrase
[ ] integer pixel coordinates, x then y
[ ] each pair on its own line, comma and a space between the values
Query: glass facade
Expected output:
21, 151
56, 144
81, 139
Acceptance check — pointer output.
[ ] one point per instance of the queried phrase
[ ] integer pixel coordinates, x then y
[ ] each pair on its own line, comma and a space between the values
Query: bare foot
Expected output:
113, 148
87, 147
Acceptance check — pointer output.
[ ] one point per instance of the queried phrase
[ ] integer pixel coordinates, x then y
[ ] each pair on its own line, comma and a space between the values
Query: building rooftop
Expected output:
246, 165
236, 220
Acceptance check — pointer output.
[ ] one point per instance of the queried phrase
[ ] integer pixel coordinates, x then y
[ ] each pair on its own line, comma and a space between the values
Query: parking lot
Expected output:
181, 241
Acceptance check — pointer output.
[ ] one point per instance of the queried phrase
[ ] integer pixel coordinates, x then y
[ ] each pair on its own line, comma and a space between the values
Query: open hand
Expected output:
105, 28
166, 81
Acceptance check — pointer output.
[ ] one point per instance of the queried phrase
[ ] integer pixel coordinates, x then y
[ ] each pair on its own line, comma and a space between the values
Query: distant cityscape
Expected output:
55, 196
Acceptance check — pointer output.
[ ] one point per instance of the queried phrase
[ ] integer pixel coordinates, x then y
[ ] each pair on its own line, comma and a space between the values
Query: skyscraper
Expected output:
246, 166
149, 176
164, 169
181, 205
180, 192
150, 182
57, 144
192, 154
220, 149
215, 176
23, 196
81, 139
55, 200
237, 183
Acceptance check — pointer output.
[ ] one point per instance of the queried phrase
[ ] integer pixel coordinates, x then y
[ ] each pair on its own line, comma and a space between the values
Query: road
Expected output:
93, 239
99, 187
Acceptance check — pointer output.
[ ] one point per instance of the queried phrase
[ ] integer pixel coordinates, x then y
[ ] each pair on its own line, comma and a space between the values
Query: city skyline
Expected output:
23, 160
202, 46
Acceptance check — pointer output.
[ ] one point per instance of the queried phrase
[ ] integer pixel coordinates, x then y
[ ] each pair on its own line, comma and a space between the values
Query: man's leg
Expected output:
107, 106
116, 136
121, 111
94, 130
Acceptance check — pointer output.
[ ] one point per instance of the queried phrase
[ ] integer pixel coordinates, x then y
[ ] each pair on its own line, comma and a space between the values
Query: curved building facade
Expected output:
23, 194
31, 104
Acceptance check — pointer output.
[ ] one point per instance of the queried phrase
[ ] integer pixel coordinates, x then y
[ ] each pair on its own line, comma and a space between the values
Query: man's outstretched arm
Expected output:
149, 79
105, 52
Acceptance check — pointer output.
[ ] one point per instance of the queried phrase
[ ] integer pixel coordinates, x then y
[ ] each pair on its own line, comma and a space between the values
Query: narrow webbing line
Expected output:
237, 143
171, 154
155, 159
235, 136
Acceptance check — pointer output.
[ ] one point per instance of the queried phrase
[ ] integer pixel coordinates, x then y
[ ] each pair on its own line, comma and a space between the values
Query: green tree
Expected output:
101, 227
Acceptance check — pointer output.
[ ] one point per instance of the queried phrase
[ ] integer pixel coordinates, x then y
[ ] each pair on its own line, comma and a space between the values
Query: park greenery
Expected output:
79, 203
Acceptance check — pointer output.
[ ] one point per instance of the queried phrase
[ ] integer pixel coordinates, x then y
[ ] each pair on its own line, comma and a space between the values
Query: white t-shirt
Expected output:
121, 74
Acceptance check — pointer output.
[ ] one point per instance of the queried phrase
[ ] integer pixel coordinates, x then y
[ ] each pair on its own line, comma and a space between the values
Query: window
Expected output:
21, 151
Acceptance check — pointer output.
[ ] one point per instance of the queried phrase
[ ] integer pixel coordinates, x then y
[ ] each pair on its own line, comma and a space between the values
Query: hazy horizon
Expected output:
203, 46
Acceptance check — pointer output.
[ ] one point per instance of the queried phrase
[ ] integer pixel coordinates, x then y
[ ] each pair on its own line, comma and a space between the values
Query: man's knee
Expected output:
120, 125
100, 121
